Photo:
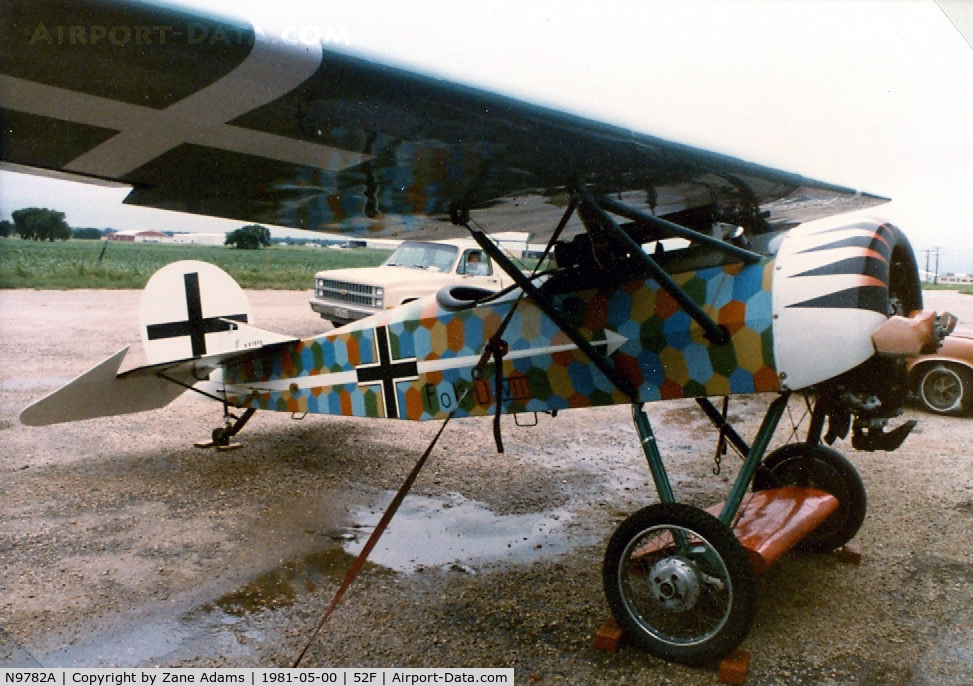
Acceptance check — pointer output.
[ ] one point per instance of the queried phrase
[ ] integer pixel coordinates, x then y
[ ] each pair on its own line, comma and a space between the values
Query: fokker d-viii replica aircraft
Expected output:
678, 273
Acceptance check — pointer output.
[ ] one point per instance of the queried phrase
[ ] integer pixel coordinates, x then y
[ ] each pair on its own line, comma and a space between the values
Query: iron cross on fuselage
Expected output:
196, 326
387, 372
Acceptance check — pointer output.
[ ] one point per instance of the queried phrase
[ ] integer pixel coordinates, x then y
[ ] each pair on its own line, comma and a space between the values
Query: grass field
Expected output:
81, 264
965, 290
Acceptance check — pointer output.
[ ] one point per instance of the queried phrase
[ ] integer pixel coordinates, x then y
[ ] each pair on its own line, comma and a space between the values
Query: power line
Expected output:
929, 252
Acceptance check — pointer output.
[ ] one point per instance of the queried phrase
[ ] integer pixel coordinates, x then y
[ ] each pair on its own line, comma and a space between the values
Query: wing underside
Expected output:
212, 117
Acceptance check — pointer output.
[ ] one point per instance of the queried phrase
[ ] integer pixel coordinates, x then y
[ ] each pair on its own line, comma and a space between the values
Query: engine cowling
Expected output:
847, 315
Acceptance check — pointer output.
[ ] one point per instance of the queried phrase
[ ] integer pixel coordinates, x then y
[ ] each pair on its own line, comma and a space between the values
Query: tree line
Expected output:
37, 224
42, 224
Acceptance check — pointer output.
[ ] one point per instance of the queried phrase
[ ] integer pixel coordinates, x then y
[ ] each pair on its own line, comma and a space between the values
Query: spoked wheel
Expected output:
820, 467
679, 583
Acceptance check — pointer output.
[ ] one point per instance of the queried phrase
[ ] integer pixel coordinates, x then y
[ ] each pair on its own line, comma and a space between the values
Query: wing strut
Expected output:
713, 331
602, 362
606, 234
672, 230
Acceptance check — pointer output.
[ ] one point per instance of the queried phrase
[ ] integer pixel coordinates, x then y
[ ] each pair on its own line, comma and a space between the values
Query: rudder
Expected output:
193, 309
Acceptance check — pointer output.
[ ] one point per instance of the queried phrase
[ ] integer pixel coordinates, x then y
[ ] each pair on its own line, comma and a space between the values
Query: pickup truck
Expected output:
415, 269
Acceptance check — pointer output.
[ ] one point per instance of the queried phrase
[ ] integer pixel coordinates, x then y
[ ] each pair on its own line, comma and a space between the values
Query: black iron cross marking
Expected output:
196, 327
387, 372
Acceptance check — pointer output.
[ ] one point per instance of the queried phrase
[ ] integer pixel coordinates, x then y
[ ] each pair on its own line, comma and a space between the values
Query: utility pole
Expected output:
937, 266
926, 275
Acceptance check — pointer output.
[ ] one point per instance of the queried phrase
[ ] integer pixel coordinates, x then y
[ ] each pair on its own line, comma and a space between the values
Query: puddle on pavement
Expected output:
176, 633
450, 533
454, 531
280, 587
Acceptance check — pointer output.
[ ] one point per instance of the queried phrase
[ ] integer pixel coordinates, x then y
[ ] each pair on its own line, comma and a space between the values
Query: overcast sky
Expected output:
873, 95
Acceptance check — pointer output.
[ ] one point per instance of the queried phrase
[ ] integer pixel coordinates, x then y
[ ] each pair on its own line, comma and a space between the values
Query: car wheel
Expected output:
945, 389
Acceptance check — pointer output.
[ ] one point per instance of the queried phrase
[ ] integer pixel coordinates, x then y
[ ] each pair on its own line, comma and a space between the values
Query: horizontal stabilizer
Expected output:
99, 392
243, 337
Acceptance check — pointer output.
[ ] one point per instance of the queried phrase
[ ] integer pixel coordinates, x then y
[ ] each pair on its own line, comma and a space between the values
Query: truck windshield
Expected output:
431, 256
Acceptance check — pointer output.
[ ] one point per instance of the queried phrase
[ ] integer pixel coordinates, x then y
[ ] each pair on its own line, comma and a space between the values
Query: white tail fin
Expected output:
193, 316
193, 309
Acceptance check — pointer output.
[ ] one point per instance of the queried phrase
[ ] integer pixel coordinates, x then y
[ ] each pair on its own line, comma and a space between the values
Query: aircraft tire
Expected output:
691, 607
821, 467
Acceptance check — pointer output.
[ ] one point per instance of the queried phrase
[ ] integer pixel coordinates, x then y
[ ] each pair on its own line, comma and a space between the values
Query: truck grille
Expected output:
346, 292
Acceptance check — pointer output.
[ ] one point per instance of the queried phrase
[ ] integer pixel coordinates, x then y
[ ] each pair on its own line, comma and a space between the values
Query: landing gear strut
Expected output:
681, 581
